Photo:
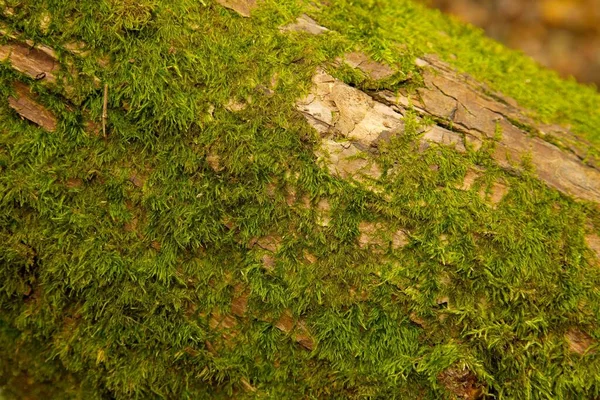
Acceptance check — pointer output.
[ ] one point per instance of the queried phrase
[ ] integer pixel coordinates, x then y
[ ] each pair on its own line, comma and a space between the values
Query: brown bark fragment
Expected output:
214, 162
235, 106
438, 134
333, 107
25, 104
415, 319
497, 192
370, 235
218, 321
93, 127
242, 7
298, 330
270, 243
302, 336
372, 69
311, 258
239, 305
472, 110
399, 239
210, 348
304, 23
137, 180
593, 242
346, 161
74, 183
323, 212
579, 342
77, 48
268, 262
132, 225
285, 323
462, 383
36, 62
336, 110
470, 177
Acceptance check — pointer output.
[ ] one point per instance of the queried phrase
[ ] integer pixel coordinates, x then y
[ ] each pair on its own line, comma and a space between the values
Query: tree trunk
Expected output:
182, 219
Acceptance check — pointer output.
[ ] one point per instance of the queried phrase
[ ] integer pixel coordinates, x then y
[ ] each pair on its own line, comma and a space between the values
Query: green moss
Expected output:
117, 253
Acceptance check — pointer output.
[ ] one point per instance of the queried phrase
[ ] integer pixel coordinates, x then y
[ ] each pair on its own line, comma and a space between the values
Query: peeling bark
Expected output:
25, 104
38, 62
467, 114
304, 23
579, 342
352, 124
374, 70
470, 108
242, 7
462, 383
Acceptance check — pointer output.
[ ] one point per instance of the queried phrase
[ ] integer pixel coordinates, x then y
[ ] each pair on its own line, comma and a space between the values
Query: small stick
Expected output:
105, 110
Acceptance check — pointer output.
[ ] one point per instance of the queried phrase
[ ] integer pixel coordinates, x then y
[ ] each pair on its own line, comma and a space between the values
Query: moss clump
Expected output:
186, 254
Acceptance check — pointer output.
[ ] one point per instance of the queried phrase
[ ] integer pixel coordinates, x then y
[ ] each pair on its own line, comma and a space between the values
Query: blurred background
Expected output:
560, 34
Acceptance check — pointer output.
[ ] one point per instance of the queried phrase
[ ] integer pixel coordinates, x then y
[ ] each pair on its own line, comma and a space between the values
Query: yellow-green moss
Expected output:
114, 252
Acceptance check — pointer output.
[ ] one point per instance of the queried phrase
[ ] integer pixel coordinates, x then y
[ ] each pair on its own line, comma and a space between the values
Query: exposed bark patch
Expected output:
470, 178
26, 105
224, 324
438, 134
38, 62
137, 180
374, 70
297, 329
346, 161
378, 236
285, 323
370, 235
497, 191
304, 23
311, 258
235, 106
352, 124
218, 321
239, 305
579, 342
473, 110
323, 212
77, 48
74, 183
461, 382
268, 262
270, 243
593, 242
399, 239
242, 7
302, 336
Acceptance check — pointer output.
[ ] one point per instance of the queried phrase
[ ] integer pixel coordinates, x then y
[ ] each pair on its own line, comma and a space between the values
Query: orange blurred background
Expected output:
560, 34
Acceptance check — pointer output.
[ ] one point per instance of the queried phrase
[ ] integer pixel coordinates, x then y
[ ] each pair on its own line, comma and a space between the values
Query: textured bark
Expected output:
37, 62
243, 7
27, 106
467, 114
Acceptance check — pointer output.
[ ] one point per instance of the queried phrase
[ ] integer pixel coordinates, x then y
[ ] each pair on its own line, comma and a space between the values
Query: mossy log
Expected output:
259, 199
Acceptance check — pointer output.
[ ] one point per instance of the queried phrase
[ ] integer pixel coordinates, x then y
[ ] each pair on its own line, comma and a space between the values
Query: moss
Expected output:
118, 254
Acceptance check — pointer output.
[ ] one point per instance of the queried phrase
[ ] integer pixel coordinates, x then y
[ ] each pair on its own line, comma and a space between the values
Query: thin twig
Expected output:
105, 110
